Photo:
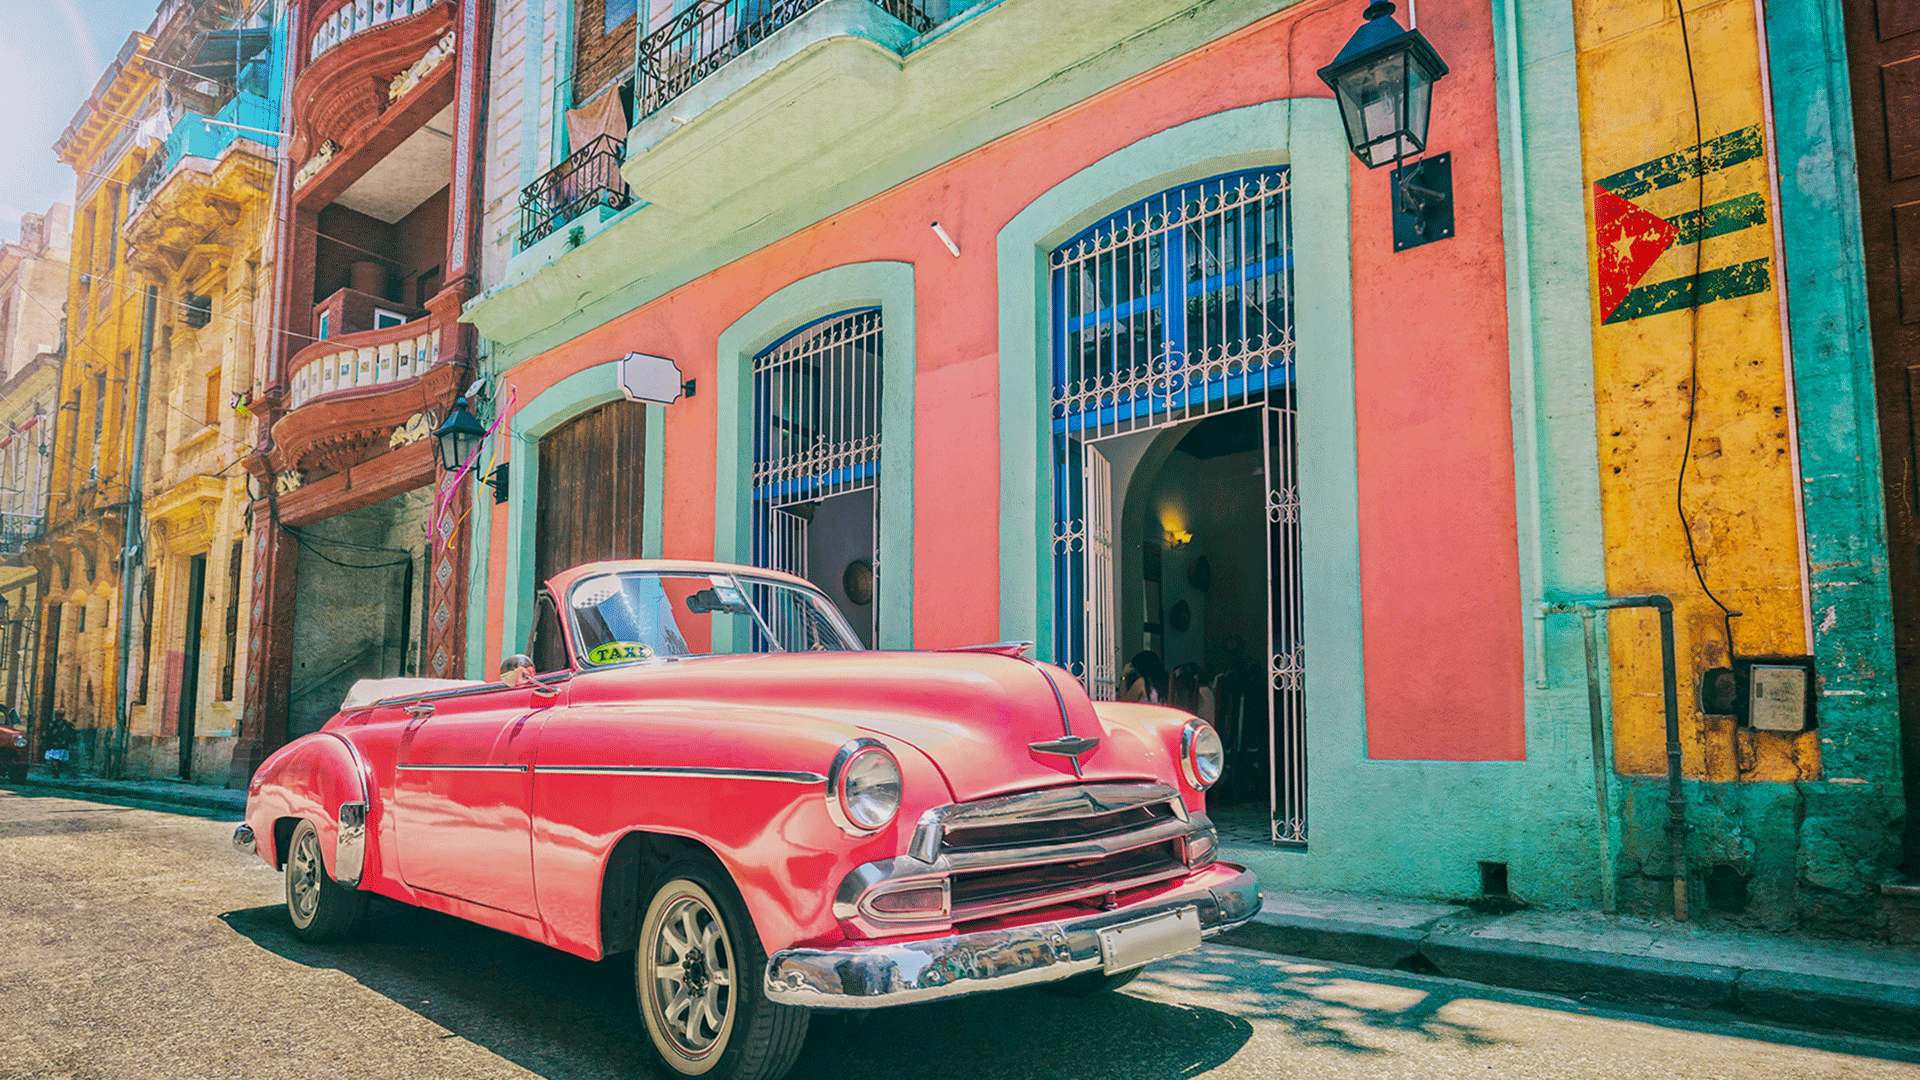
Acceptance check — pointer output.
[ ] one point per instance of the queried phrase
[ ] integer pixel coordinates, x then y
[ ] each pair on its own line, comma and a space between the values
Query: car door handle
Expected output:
420, 710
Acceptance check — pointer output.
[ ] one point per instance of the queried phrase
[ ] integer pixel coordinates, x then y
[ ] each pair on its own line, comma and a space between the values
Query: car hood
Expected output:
975, 715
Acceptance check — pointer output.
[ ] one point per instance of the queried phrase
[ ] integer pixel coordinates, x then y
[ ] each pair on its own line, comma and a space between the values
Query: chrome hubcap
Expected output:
303, 878
692, 976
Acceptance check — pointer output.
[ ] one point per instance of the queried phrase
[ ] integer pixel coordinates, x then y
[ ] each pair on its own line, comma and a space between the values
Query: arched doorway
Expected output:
817, 457
1169, 318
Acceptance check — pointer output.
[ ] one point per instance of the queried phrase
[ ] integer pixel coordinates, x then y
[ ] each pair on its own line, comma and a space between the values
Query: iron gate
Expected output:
1177, 308
816, 434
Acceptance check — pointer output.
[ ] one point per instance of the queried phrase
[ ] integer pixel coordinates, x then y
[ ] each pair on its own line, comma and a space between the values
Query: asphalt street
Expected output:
137, 943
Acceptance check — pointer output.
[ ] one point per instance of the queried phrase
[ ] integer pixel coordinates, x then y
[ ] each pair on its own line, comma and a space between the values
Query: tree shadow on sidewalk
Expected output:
566, 1018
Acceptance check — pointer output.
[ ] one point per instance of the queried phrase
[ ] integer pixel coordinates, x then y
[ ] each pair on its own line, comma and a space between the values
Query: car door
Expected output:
463, 789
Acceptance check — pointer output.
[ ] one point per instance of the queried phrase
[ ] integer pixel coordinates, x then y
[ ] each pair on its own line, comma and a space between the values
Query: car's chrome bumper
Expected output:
243, 839
900, 973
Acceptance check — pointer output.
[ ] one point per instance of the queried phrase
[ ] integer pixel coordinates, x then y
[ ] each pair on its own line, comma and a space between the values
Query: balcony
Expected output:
16, 530
358, 17
588, 180
194, 137
700, 40
369, 358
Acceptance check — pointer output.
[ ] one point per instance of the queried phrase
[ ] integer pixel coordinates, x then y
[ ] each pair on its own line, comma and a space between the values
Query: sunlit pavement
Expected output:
136, 943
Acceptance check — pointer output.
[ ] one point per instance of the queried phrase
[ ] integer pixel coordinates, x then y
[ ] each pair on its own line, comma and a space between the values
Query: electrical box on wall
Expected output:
1763, 693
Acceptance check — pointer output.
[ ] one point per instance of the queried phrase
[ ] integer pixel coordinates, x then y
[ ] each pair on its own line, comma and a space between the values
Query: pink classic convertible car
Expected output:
699, 764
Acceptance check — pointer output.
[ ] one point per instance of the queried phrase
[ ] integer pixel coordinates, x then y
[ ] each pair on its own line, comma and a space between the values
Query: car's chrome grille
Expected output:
1061, 845
1056, 830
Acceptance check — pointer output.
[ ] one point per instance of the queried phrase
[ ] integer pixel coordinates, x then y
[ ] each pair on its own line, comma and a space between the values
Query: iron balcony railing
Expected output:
17, 529
589, 178
700, 40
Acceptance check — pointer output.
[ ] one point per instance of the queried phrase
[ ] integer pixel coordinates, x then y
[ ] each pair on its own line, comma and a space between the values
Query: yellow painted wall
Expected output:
89, 482
1637, 107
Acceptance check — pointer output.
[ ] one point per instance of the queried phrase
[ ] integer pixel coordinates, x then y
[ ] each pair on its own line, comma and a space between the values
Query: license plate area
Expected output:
1129, 945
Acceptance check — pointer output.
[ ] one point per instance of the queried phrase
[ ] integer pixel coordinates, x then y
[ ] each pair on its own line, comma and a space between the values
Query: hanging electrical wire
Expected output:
1727, 615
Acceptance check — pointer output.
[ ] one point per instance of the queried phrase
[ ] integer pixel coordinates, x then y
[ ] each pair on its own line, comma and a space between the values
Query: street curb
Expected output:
1868, 1008
1450, 948
1530, 965
236, 803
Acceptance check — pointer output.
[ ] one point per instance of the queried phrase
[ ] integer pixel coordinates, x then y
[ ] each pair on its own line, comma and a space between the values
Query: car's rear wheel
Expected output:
322, 909
698, 978
1089, 983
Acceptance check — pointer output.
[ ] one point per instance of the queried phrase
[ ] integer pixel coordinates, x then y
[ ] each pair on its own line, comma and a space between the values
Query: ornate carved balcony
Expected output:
349, 398
369, 358
357, 17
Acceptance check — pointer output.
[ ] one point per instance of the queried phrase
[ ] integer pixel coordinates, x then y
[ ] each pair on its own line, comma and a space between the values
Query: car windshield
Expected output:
642, 615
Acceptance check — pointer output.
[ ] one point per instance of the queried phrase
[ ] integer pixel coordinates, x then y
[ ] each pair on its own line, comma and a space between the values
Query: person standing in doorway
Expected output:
1145, 678
1190, 689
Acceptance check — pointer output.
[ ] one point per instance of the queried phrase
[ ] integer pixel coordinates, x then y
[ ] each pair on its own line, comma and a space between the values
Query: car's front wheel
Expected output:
322, 909
697, 976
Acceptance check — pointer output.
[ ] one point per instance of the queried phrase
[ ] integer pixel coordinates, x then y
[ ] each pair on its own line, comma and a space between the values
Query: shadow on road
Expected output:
122, 800
565, 1018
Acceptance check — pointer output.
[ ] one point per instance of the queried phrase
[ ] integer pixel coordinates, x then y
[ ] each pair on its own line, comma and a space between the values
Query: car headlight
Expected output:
863, 787
19, 742
1202, 757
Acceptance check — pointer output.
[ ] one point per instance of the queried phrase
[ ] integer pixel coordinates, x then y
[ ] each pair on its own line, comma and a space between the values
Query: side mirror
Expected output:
516, 669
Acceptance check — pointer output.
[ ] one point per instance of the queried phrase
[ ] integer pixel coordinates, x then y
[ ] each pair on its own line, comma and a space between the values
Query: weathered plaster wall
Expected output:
1785, 829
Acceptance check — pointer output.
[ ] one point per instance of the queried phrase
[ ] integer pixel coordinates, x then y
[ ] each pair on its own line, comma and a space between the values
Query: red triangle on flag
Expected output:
1630, 240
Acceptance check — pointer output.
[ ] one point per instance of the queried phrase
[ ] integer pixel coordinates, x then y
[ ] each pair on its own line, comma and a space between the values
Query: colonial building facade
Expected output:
33, 290
79, 555
998, 328
358, 567
199, 231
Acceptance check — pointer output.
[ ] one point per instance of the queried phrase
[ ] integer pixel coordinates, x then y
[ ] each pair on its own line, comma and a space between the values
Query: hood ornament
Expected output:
1071, 746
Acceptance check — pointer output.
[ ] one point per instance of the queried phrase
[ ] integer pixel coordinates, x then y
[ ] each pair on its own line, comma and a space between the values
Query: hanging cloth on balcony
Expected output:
604, 115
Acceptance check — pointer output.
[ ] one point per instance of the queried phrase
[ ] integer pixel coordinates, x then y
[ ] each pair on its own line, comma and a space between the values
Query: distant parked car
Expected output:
705, 769
13, 747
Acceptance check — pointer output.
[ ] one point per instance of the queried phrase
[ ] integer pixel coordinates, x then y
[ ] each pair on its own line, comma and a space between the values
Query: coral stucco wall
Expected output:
1438, 548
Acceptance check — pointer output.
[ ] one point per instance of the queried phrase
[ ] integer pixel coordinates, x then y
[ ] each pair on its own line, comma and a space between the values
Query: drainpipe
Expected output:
1676, 798
130, 552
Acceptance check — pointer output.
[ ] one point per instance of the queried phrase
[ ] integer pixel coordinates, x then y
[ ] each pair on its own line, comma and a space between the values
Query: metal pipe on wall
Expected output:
1670, 689
130, 552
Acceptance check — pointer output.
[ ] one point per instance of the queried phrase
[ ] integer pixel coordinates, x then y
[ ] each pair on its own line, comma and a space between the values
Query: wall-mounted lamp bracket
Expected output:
497, 480
1422, 201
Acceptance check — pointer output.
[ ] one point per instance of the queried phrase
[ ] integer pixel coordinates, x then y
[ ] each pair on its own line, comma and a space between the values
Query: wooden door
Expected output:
592, 486
1883, 49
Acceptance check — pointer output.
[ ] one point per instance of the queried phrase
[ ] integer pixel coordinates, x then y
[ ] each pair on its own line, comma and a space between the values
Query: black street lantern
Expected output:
1383, 81
457, 436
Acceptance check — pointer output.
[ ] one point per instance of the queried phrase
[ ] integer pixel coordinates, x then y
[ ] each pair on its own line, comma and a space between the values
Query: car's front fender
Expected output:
319, 778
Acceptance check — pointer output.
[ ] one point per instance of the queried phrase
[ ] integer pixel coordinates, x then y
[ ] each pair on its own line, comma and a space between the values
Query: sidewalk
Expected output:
163, 792
1860, 987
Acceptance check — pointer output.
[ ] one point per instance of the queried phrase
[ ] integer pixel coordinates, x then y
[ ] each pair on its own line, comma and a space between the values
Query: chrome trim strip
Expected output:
350, 845
880, 975
784, 777
435, 767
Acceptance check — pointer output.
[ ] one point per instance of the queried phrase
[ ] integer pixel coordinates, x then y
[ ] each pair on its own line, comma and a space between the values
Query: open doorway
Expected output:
359, 603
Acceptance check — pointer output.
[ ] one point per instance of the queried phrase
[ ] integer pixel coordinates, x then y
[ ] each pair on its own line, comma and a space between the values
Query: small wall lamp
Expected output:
1383, 82
458, 435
